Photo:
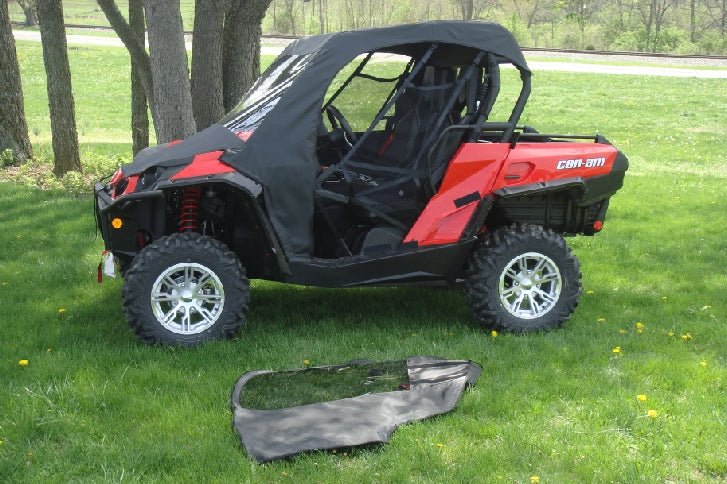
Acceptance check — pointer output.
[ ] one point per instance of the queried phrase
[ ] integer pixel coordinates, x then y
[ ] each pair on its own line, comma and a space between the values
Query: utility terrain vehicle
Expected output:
330, 174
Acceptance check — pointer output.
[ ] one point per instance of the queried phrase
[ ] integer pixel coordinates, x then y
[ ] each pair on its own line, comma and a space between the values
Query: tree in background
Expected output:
139, 117
13, 127
140, 62
171, 90
225, 60
30, 10
653, 13
467, 8
241, 50
207, 90
60, 94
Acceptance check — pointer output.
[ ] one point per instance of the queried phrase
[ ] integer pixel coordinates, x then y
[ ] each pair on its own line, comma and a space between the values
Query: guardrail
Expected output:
525, 49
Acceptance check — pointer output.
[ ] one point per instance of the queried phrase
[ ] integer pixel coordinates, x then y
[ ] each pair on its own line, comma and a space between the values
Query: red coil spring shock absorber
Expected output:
189, 210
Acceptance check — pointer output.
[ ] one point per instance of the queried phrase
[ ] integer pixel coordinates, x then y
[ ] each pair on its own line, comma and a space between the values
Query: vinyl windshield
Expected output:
265, 94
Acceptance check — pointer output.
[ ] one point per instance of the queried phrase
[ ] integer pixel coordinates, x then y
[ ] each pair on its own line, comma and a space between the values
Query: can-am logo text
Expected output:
579, 163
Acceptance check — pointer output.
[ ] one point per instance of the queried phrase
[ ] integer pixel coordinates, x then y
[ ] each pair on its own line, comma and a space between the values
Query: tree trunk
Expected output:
467, 8
692, 21
168, 58
30, 11
135, 45
139, 117
13, 127
321, 18
60, 94
241, 51
648, 24
207, 98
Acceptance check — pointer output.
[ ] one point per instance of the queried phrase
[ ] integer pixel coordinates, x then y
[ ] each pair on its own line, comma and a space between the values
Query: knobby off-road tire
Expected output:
522, 278
185, 289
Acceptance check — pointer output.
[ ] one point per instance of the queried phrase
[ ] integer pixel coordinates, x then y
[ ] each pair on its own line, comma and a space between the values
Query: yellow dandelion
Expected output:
652, 413
600, 320
493, 333
306, 362
663, 298
589, 292
440, 445
622, 331
284, 474
670, 334
686, 336
534, 480
616, 350
639, 331
703, 364
23, 362
49, 350
61, 310
639, 325
641, 397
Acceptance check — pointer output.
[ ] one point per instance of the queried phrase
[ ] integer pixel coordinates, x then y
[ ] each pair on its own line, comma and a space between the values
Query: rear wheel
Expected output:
523, 278
185, 289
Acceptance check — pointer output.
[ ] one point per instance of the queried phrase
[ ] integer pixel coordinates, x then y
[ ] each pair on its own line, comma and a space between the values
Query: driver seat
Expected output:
388, 180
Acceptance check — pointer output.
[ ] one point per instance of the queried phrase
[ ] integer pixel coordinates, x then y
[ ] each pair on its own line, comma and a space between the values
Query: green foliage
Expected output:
6, 157
628, 41
38, 173
712, 43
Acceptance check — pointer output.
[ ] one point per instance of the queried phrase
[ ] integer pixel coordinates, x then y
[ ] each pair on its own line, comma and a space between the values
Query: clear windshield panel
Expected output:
265, 94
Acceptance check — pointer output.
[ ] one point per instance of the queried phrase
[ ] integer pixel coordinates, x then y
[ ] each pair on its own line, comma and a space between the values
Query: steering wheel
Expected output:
336, 119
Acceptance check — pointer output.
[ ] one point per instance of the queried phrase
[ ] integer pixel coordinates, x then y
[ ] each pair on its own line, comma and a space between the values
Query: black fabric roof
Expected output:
408, 39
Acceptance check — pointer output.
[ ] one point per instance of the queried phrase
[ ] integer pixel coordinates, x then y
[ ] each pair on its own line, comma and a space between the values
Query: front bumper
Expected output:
129, 222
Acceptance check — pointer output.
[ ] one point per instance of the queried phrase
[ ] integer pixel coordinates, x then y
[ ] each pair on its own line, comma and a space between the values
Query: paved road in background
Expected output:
594, 68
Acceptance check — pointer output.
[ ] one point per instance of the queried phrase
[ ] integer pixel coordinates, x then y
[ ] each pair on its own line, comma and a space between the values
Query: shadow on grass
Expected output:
286, 307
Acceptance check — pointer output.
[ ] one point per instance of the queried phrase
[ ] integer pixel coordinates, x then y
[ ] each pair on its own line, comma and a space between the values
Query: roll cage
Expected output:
465, 102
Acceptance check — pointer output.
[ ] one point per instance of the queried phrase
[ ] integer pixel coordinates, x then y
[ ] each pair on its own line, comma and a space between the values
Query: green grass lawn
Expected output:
94, 404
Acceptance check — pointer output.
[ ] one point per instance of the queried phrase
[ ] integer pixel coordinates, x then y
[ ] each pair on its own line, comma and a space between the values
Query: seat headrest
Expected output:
434, 76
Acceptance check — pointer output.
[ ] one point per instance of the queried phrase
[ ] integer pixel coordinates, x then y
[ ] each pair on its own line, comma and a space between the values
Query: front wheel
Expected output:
185, 289
523, 278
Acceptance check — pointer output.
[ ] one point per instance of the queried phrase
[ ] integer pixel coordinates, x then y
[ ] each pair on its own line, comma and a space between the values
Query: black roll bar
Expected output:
519, 105
407, 82
345, 84
488, 95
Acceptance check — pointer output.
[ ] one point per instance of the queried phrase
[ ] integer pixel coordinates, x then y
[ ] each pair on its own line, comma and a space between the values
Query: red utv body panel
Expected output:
479, 169
202, 165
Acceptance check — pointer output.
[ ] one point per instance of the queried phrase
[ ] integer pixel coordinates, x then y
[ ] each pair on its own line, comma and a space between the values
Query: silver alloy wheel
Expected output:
187, 298
530, 285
